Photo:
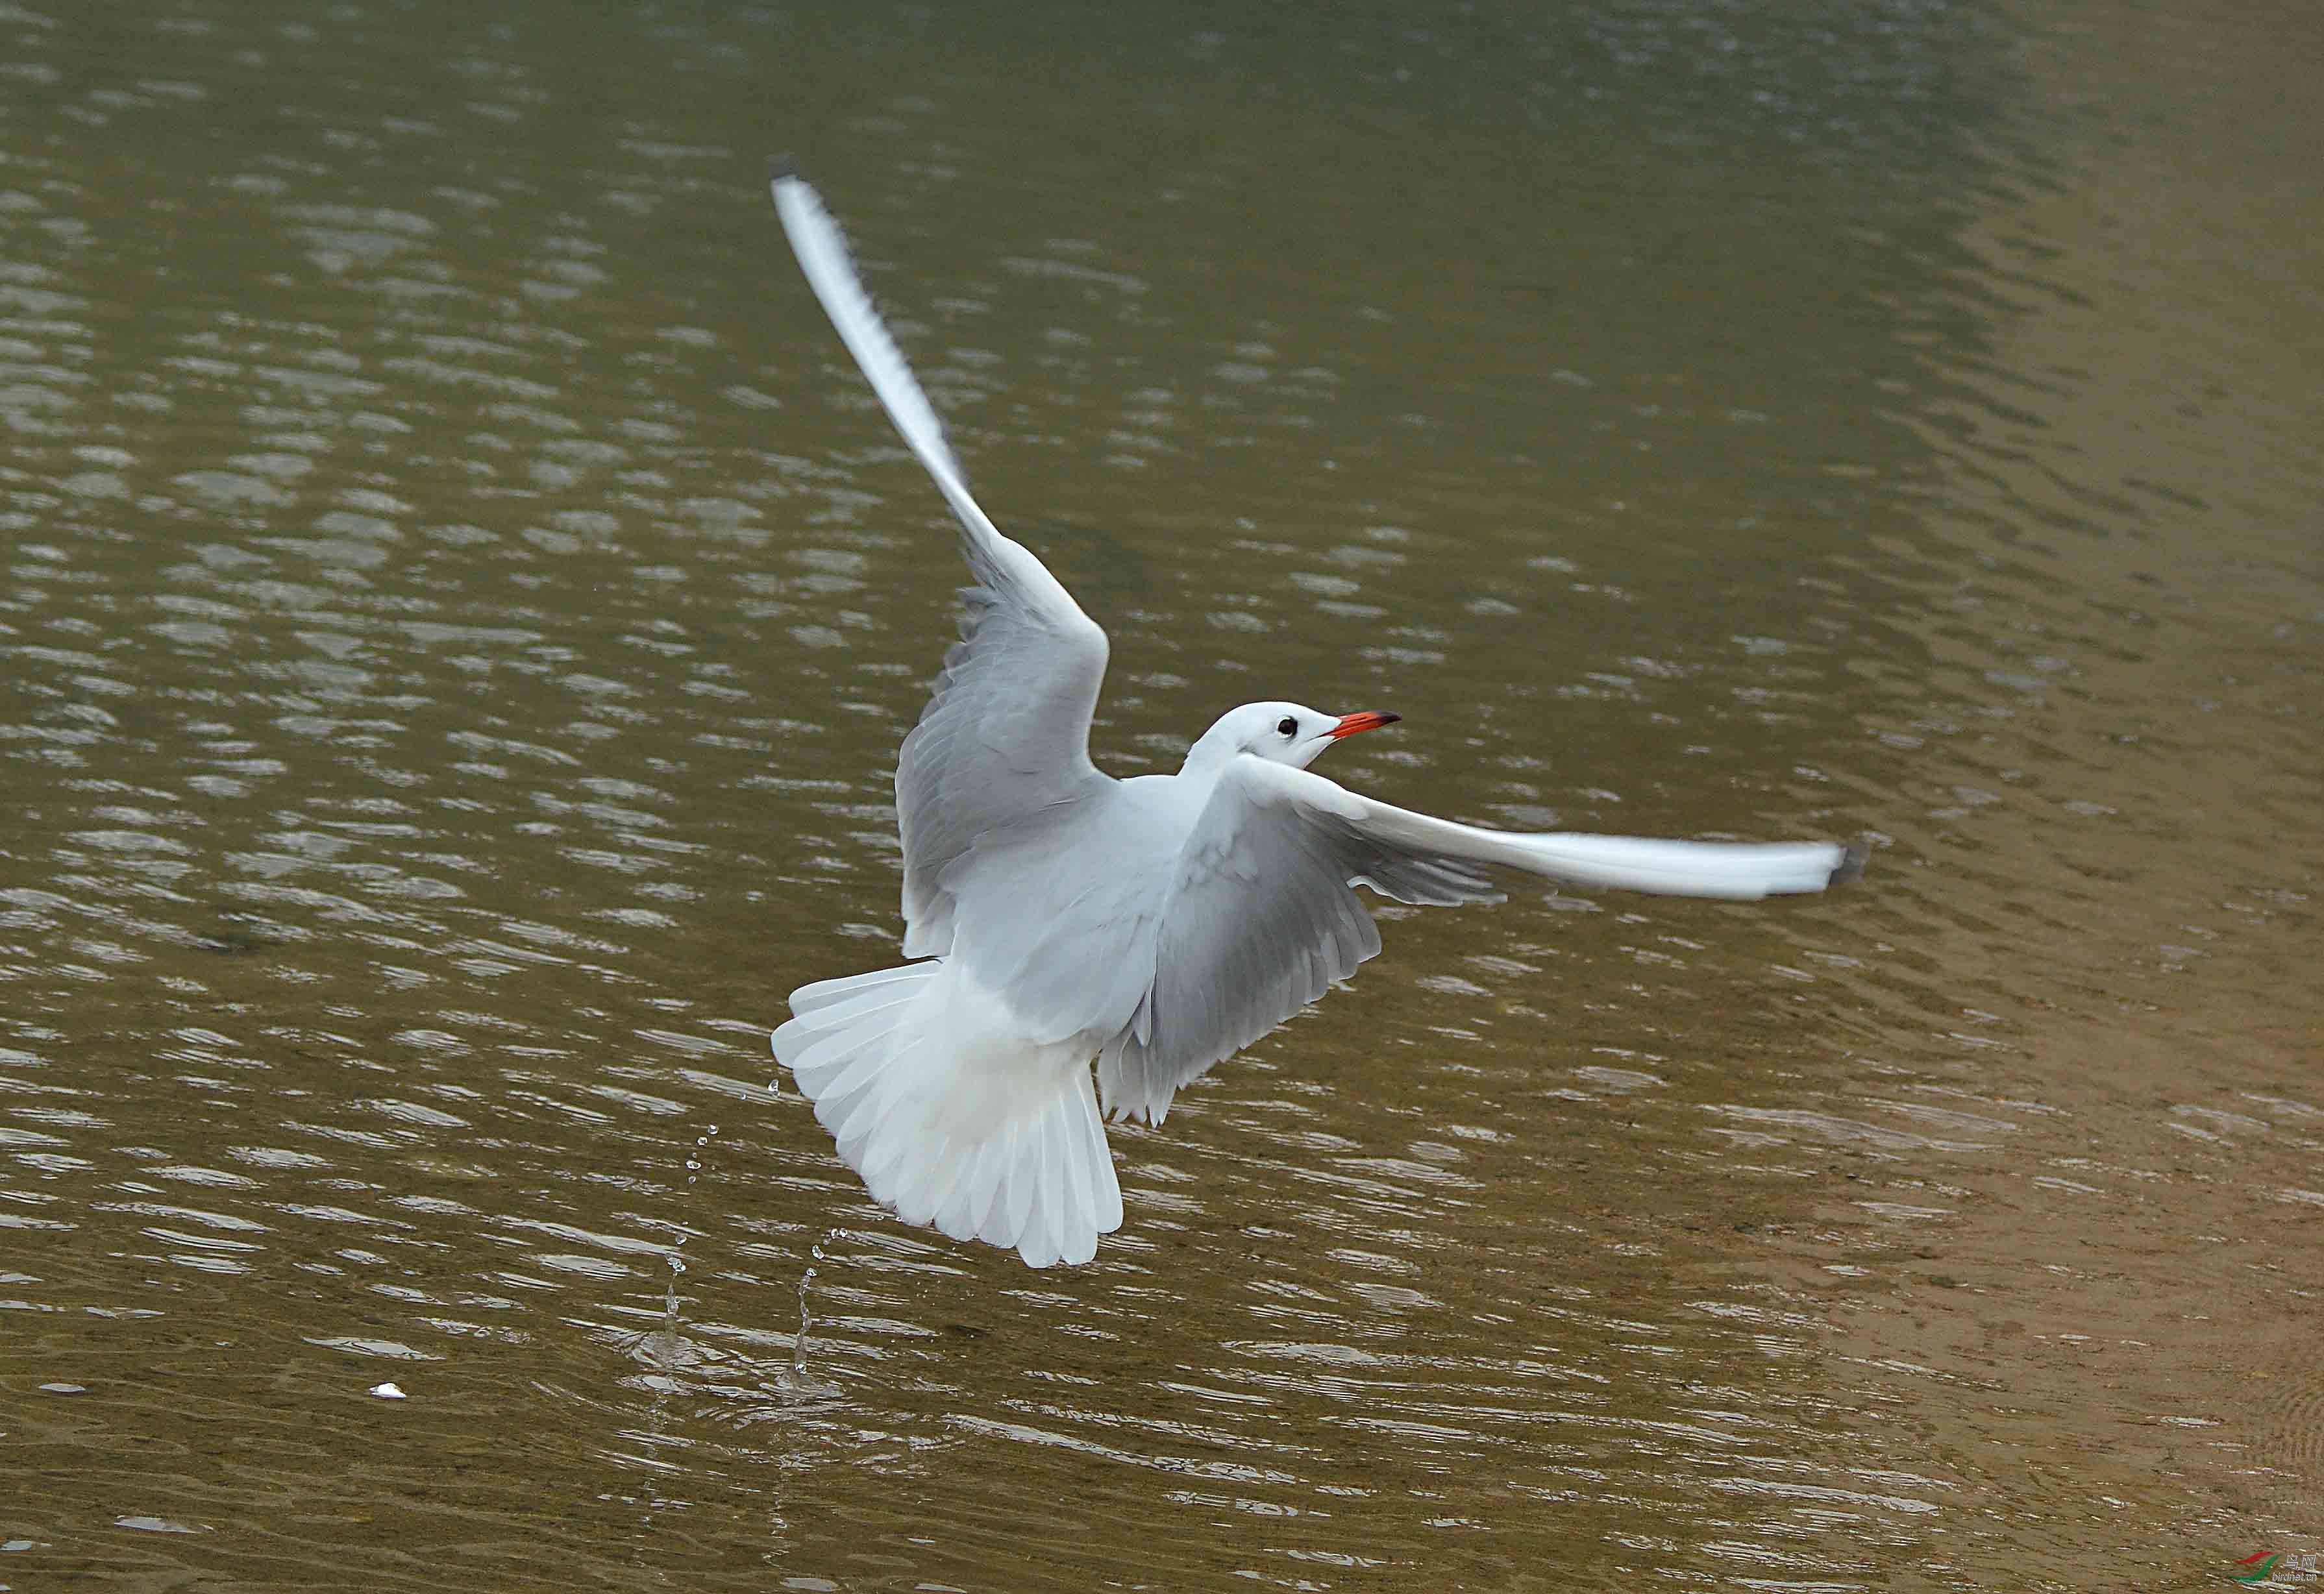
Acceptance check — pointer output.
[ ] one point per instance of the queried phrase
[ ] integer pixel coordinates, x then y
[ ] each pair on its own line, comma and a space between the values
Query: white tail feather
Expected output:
807, 998
1003, 1145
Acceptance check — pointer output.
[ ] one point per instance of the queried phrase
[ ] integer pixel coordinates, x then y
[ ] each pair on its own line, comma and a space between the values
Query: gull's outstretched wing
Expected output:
1263, 916
1006, 735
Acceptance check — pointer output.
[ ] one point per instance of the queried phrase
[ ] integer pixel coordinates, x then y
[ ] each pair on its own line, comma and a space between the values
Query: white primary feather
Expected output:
822, 251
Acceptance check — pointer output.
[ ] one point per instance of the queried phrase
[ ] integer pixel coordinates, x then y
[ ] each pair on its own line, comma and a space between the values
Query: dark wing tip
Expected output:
780, 167
1851, 868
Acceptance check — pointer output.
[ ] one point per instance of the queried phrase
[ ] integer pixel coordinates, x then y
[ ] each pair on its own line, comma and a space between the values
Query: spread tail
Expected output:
1002, 1145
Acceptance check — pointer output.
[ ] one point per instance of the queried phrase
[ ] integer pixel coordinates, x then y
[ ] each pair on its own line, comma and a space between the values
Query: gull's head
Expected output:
1280, 732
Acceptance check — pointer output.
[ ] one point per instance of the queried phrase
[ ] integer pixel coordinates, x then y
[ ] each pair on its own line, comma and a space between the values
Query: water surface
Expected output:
459, 608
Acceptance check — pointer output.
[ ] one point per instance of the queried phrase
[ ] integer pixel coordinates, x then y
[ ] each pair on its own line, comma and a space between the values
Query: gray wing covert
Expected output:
1261, 919
1004, 737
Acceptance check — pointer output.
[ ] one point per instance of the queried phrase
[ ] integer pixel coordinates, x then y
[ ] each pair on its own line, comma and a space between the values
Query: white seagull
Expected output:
1154, 926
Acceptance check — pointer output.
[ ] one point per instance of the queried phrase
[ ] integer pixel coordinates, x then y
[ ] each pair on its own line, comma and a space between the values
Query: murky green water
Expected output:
459, 609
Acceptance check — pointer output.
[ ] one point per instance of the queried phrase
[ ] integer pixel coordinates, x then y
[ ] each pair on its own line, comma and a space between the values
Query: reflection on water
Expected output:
458, 610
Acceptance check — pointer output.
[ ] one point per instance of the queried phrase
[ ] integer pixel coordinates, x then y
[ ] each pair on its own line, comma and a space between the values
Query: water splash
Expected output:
667, 1347
799, 1341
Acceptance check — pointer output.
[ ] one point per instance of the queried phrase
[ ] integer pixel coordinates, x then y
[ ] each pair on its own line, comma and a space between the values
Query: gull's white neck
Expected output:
1207, 759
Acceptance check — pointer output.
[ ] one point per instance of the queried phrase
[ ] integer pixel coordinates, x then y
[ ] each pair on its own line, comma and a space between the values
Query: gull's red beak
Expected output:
1366, 721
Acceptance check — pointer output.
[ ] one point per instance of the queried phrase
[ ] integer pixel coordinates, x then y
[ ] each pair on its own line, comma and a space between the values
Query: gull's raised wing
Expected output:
1263, 916
1006, 735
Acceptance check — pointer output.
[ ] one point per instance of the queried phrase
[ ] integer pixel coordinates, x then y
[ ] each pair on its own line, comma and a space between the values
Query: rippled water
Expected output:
459, 608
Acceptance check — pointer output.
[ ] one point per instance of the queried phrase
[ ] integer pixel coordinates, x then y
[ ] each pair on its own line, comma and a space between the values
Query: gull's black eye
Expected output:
1289, 727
